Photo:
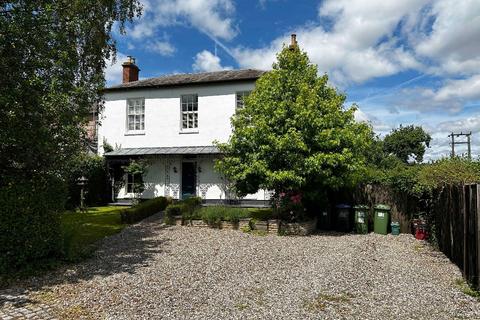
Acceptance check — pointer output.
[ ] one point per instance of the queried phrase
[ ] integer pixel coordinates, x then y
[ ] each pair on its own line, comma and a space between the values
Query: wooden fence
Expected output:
457, 223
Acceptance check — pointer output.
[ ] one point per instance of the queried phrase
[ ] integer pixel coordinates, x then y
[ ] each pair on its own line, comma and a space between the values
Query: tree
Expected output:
137, 170
406, 142
52, 57
294, 134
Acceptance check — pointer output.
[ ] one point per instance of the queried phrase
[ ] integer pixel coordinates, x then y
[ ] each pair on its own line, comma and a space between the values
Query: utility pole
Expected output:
468, 142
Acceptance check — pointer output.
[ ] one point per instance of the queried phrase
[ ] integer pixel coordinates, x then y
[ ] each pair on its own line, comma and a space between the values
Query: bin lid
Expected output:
361, 206
382, 207
342, 206
395, 224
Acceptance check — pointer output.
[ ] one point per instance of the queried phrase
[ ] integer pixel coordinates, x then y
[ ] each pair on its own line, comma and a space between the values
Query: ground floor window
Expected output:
131, 180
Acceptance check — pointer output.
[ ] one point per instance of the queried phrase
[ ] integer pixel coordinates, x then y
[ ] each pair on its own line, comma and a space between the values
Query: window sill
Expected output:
188, 131
135, 133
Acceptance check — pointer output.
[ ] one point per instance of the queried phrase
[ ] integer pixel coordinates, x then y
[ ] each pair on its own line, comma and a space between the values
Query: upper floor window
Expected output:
189, 111
240, 98
136, 114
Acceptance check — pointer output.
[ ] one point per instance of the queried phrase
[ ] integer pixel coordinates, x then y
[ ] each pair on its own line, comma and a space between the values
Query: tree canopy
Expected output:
293, 132
52, 57
406, 142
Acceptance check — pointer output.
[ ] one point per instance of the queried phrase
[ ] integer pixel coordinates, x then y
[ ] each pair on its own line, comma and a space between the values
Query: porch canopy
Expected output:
132, 152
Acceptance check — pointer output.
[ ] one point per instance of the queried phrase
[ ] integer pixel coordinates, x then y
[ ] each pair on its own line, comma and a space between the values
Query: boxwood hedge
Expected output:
30, 221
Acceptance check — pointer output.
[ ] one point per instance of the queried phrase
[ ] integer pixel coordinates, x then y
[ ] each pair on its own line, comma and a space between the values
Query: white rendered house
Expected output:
173, 121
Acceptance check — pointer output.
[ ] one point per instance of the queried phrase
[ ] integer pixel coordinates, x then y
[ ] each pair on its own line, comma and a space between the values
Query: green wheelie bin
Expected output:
381, 219
361, 219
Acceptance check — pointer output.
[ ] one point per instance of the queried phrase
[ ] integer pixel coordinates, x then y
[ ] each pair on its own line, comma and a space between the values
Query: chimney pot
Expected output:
293, 41
130, 70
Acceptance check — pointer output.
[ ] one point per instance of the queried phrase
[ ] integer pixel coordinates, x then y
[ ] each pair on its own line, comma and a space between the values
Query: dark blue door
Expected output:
188, 179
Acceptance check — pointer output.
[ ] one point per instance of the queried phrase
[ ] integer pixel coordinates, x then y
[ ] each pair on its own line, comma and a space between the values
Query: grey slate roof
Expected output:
163, 151
190, 78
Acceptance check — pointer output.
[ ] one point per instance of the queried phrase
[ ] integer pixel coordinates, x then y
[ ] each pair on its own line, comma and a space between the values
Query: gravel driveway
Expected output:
150, 271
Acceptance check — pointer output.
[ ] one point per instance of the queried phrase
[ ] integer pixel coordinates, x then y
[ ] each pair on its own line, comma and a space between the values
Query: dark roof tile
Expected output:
190, 78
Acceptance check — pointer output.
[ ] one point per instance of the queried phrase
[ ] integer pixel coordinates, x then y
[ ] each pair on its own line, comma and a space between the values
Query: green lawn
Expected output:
81, 230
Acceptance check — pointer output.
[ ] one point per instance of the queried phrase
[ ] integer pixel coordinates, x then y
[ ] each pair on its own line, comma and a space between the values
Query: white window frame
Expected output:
131, 184
138, 116
189, 113
239, 98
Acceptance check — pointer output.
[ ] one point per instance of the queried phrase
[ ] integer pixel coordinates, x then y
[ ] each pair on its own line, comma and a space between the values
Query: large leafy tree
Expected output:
294, 133
52, 57
407, 142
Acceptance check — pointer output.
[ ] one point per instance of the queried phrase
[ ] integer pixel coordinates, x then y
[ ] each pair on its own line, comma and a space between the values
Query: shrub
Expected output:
186, 208
215, 214
144, 209
30, 221
171, 212
262, 213
192, 201
97, 187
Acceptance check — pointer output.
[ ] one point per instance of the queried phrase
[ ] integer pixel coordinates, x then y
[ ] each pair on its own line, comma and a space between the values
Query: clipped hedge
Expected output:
186, 208
144, 209
215, 214
30, 221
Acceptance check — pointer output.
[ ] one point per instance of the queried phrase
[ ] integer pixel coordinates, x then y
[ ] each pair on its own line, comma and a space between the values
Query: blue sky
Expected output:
402, 62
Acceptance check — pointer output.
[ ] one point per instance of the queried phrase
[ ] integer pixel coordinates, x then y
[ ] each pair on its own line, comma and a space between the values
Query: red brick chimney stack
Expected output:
130, 70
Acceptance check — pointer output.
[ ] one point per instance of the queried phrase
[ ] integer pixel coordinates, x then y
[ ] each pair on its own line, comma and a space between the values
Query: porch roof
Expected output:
163, 151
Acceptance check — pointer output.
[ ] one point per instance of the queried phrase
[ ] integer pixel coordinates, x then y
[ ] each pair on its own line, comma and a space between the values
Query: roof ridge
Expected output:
191, 78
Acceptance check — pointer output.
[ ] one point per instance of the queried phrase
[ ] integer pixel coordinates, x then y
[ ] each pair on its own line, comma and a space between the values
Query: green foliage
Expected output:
215, 214
52, 57
172, 211
262, 213
407, 141
294, 133
30, 221
144, 209
82, 230
97, 188
422, 180
107, 147
138, 169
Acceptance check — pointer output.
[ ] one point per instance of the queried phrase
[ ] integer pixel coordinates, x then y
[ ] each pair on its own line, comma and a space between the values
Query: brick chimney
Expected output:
130, 70
293, 41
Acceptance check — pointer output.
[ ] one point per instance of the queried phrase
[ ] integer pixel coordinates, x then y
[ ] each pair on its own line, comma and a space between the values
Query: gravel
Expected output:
150, 271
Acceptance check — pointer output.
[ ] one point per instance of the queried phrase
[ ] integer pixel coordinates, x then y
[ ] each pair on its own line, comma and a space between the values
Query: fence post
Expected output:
465, 231
477, 232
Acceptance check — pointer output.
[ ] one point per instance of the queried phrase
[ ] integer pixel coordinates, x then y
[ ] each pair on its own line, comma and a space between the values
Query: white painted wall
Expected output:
210, 184
216, 105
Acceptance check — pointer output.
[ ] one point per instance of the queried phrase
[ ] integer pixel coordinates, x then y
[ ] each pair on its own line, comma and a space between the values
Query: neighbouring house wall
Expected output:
216, 105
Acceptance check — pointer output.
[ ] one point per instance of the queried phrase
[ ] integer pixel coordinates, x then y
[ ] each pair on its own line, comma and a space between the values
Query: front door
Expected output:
188, 179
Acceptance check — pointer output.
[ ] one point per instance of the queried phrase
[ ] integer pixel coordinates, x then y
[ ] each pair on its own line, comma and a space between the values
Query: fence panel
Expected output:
457, 225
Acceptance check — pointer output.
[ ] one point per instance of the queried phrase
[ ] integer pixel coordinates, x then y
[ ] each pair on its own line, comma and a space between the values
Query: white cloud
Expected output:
206, 61
454, 39
113, 72
361, 44
460, 89
375, 38
377, 125
450, 97
213, 17
164, 48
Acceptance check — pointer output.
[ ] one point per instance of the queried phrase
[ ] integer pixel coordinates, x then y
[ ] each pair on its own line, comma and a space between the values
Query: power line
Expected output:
468, 142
